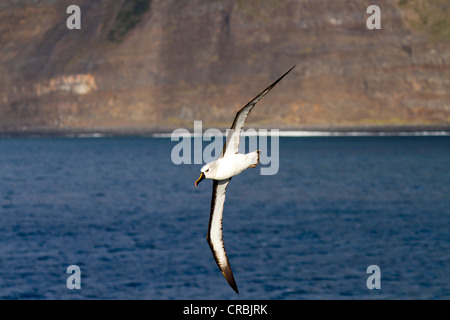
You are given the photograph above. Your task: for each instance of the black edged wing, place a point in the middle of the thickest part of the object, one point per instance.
(215, 234)
(234, 136)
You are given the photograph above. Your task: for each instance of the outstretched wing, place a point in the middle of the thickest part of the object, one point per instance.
(215, 234)
(234, 136)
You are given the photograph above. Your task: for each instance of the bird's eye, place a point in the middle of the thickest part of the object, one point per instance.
(206, 170)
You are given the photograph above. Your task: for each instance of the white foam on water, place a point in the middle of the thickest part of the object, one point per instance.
(295, 133)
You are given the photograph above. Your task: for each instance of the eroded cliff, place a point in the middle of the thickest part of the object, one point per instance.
(149, 64)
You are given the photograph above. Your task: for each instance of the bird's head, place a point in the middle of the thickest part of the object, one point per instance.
(207, 171)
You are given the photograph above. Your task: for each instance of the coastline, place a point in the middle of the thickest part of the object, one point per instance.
(293, 131)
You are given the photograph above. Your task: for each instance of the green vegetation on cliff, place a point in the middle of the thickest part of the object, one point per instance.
(429, 16)
(129, 15)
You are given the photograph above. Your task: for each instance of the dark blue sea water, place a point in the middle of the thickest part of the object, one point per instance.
(136, 226)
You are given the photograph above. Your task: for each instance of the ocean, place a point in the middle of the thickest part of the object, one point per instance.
(135, 224)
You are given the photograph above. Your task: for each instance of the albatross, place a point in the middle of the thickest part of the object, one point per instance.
(228, 164)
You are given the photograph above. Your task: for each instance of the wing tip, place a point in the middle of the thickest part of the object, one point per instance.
(275, 83)
(224, 268)
(228, 274)
(287, 72)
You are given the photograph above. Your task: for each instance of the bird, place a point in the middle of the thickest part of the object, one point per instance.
(229, 164)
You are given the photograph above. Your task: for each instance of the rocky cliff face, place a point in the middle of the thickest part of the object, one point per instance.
(149, 64)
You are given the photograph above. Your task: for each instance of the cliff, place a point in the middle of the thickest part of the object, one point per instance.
(153, 65)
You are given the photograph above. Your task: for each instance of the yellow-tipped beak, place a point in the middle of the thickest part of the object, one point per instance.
(202, 176)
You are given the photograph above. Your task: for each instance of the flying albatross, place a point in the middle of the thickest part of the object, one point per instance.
(229, 164)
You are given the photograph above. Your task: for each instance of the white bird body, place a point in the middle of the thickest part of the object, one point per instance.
(230, 165)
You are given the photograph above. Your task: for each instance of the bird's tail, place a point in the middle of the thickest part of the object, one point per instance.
(253, 158)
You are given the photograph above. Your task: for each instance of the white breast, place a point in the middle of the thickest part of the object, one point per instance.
(230, 166)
